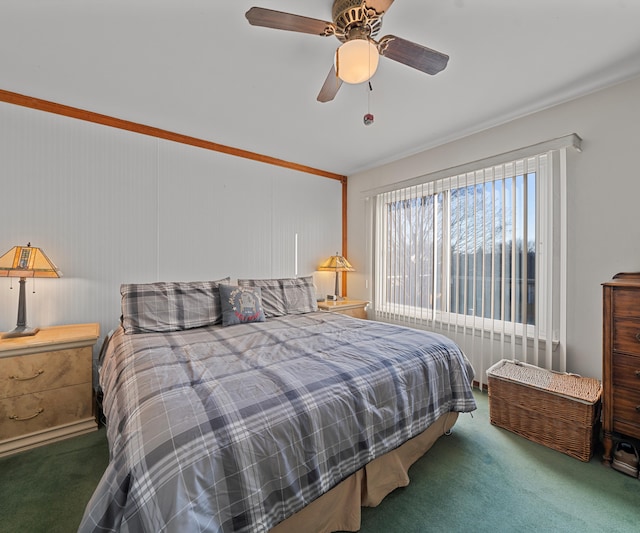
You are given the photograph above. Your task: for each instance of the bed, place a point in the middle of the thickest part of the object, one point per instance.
(288, 421)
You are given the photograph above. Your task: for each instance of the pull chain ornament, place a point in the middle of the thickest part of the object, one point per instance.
(368, 118)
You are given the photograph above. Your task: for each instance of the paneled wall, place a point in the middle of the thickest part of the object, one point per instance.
(110, 206)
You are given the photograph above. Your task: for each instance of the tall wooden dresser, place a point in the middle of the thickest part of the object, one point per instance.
(621, 359)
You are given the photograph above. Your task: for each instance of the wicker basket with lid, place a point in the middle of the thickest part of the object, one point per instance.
(557, 410)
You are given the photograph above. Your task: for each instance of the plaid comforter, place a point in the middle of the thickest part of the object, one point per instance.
(235, 429)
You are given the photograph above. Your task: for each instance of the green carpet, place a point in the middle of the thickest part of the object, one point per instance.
(45, 490)
(484, 478)
(481, 478)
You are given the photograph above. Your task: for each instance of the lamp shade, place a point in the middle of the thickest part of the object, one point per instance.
(27, 262)
(336, 263)
(356, 61)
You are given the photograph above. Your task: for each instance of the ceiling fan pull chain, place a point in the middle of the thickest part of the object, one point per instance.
(368, 118)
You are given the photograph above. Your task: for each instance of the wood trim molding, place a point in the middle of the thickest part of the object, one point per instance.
(105, 120)
(344, 234)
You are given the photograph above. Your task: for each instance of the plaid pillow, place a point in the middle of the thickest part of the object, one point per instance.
(285, 296)
(300, 295)
(170, 306)
(273, 301)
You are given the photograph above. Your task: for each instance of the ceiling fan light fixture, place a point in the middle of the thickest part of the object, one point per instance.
(356, 60)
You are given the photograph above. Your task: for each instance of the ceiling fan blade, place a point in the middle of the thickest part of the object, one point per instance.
(412, 54)
(381, 6)
(258, 16)
(330, 87)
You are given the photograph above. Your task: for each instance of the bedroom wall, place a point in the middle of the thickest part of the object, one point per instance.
(603, 200)
(110, 206)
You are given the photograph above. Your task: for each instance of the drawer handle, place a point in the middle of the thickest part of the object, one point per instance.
(637, 373)
(638, 336)
(40, 410)
(18, 378)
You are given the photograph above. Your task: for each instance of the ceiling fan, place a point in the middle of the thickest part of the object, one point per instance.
(355, 24)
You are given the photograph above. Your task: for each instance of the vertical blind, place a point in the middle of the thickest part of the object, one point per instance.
(477, 255)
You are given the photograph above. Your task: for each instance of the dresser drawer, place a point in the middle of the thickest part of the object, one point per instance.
(625, 302)
(626, 371)
(626, 411)
(626, 335)
(43, 371)
(29, 413)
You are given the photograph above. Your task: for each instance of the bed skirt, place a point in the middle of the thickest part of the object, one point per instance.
(339, 509)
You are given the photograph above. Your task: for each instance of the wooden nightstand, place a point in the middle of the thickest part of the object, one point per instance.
(46, 389)
(355, 308)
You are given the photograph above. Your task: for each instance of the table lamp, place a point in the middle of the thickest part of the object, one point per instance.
(25, 262)
(336, 263)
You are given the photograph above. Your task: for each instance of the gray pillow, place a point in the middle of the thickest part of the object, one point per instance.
(170, 306)
(285, 296)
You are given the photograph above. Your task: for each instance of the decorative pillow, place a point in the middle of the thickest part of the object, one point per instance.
(240, 305)
(170, 306)
(285, 296)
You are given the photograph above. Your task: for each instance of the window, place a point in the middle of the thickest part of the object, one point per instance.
(464, 251)
(479, 253)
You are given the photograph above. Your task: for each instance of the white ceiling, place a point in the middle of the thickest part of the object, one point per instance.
(198, 68)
